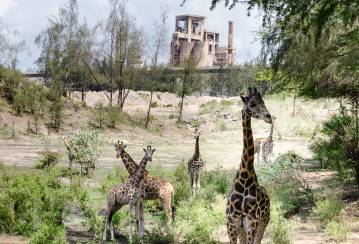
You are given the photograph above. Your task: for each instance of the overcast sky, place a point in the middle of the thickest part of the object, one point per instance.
(29, 17)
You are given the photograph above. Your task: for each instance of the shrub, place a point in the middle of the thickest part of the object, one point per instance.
(29, 97)
(337, 230)
(216, 182)
(221, 125)
(49, 159)
(278, 228)
(32, 204)
(282, 180)
(340, 148)
(180, 183)
(98, 115)
(159, 236)
(326, 210)
(85, 149)
(56, 105)
(202, 217)
(113, 116)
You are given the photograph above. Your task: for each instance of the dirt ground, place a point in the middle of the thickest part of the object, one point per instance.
(175, 144)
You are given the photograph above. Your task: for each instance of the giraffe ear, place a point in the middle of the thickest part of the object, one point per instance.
(124, 146)
(144, 150)
(153, 150)
(244, 99)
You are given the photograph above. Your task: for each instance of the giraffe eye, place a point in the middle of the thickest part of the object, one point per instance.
(252, 105)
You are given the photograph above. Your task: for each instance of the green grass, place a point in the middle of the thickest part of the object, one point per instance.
(337, 230)
(326, 210)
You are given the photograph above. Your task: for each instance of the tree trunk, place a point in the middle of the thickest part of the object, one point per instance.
(182, 97)
(149, 110)
(294, 101)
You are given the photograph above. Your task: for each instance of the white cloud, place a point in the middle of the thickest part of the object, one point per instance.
(5, 6)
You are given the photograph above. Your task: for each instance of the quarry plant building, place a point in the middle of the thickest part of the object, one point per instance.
(192, 39)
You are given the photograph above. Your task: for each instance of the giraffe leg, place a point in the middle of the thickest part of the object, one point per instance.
(232, 230)
(104, 237)
(142, 218)
(190, 175)
(251, 230)
(167, 208)
(131, 222)
(198, 181)
(260, 232)
(242, 236)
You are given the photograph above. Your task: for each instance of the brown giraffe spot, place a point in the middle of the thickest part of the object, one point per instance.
(238, 187)
(252, 190)
(249, 182)
(245, 157)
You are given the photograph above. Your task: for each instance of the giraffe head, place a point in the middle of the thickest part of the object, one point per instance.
(119, 147)
(254, 105)
(149, 152)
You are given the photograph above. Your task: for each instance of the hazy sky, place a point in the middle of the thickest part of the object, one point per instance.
(29, 17)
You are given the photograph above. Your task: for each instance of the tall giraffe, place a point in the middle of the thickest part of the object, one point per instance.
(195, 166)
(129, 192)
(153, 188)
(247, 202)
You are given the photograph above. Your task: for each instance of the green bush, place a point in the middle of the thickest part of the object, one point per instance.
(196, 221)
(339, 148)
(159, 236)
(326, 210)
(278, 227)
(337, 230)
(29, 97)
(85, 149)
(98, 115)
(282, 180)
(32, 204)
(215, 182)
(112, 116)
(49, 159)
(11, 79)
(180, 183)
(56, 105)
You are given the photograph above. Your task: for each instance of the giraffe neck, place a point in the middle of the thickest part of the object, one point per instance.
(196, 151)
(139, 175)
(270, 137)
(129, 163)
(246, 168)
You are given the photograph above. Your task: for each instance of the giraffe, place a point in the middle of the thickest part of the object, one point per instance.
(195, 166)
(248, 204)
(267, 146)
(153, 188)
(258, 146)
(129, 192)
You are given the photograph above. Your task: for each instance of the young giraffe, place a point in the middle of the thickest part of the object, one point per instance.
(153, 188)
(129, 192)
(247, 202)
(195, 166)
(267, 146)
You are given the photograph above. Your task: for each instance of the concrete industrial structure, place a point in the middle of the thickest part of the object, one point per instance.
(191, 39)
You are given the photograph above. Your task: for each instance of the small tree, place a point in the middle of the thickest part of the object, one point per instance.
(188, 79)
(98, 115)
(158, 47)
(56, 105)
(83, 149)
